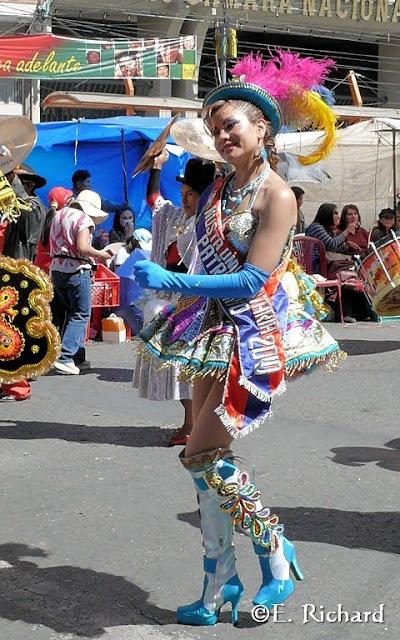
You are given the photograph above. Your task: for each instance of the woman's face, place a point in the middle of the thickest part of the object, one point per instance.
(387, 223)
(335, 218)
(351, 216)
(190, 200)
(235, 137)
(126, 217)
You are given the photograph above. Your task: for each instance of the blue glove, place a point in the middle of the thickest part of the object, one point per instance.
(246, 283)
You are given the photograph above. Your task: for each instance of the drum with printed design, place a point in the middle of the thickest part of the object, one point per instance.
(380, 273)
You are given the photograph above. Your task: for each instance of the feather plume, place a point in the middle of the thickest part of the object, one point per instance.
(285, 74)
(309, 111)
(289, 79)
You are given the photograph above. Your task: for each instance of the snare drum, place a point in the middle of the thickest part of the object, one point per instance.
(380, 273)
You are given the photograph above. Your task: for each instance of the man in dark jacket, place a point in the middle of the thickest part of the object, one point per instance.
(35, 221)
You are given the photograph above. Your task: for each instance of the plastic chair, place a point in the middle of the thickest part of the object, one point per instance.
(306, 250)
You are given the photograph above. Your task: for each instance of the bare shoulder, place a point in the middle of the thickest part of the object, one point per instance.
(277, 198)
(276, 189)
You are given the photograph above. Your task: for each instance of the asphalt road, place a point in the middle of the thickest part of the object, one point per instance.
(99, 534)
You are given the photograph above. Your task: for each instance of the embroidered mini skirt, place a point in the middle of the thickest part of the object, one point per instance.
(199, 351)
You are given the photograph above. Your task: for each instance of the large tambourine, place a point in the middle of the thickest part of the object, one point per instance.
(17, 139)
(190, 134)
(29, 342)
(154, 149)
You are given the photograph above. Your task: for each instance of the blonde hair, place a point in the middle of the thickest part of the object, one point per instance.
(254, 114)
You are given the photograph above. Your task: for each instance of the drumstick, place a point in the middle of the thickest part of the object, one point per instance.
(382, 264)
(395, 237)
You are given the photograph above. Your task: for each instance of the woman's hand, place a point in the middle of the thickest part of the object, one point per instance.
(351, 228)
(161, 159)
(128, 229)
(150, 275)
(353, 246)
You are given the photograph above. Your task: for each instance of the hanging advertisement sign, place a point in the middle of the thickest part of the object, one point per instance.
(49, 56)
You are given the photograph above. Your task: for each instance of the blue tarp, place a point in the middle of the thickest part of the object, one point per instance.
(95, 145)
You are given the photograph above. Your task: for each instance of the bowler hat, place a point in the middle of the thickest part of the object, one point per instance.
(24, 172)
(197, 175)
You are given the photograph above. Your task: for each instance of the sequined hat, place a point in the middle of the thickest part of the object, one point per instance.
(250, 93)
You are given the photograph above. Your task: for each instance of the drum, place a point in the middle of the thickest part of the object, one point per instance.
(380, 273)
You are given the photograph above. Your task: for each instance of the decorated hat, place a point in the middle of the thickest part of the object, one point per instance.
(284, 89)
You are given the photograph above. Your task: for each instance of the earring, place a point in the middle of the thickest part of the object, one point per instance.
(263, 154)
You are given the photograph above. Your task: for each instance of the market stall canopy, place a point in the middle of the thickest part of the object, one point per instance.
(361, 167)
(76, 100)
(80, 100)
(96, 145)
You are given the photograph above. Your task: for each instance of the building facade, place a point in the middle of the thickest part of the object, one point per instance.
(362, 35)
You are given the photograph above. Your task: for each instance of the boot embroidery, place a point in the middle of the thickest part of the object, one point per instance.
(262, 527)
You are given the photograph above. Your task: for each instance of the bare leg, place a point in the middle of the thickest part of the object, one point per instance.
(208, 431)
(188, 420)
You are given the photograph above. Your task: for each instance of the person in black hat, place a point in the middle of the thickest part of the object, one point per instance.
(34, 222)
(386, 222)
(196, 179)
(173, 246)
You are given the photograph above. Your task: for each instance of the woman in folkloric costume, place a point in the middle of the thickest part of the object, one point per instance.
(233, 329)
(29, 343)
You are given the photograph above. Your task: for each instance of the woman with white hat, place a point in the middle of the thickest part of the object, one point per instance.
(72, 260)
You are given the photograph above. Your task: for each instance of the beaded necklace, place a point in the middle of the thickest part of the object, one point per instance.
(236, 196)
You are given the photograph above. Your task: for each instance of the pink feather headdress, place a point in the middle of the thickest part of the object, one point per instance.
(284, 75)
(283, 87)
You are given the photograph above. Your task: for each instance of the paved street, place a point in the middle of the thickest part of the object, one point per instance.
(99, 534)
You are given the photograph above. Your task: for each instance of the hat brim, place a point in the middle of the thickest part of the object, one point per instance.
(38, 180)
(249, 93)
(98, 215)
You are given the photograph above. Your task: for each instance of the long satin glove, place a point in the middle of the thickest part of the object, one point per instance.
(244, 284)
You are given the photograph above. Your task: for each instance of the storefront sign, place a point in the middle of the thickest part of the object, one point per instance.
(49, 56)
(359, 10)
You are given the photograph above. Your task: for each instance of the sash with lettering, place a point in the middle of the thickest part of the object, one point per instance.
(257, 367)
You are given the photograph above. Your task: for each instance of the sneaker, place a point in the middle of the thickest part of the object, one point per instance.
(349, 319)
(66, 368)
(7, 398)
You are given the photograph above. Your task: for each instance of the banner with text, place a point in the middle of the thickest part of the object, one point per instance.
(49, 56)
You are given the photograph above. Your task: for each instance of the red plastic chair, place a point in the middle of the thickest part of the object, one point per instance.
(305, 250)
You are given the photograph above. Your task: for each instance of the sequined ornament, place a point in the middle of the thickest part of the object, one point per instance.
(29, 343)
(243, 504)
(236, 196)
(10, 205)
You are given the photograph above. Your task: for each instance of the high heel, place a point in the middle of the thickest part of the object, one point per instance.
(197, 614)
(277, 585)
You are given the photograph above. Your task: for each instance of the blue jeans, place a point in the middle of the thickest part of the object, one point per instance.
(74, 293)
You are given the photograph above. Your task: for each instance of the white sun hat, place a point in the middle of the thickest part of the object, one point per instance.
(144, 237)
(90, 203)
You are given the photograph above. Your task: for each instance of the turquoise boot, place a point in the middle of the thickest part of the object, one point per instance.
(277, 585)
(239, 498)
(221, 582)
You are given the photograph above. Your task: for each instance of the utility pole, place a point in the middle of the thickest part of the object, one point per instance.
(224, 42)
